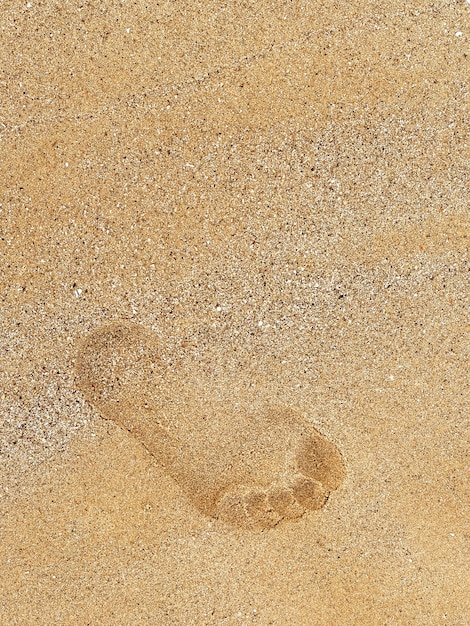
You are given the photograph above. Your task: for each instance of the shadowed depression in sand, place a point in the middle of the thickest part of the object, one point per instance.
(249, 470)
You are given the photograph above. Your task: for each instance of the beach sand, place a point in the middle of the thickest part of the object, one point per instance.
(273, 197)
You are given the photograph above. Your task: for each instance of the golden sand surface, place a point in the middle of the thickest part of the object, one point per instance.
(234, 336)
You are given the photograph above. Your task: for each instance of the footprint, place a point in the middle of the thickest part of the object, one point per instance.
(250, 469)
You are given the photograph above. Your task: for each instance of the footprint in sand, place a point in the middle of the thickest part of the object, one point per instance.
(251, 470)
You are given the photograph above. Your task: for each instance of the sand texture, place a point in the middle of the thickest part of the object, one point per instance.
(234, 323)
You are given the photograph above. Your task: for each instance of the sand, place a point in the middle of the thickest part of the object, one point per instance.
(276, 195)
